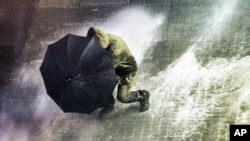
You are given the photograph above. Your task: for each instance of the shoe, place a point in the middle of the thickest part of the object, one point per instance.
(144, 101)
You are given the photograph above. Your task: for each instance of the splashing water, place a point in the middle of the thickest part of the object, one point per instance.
(185, 90)
(217, 22)
(138, 30)
(195, 90)
(136, 26)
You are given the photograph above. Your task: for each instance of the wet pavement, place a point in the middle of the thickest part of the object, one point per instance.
(193, 57)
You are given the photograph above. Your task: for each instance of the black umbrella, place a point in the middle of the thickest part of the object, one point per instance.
(78, 74)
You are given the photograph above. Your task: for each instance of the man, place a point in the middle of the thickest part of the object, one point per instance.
(125, 67)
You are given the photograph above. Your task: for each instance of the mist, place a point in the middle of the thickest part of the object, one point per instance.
(200, 89)
(185, 96)
(36, 119)
(136, 25)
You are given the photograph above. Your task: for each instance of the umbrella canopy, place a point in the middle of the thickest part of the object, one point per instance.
(78, 74)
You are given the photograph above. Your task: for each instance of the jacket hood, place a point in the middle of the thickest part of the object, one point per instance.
(101, 37)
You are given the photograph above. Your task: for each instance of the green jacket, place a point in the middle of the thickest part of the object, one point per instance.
(123, 60)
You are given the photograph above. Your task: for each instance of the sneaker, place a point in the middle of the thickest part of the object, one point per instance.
(144, 101)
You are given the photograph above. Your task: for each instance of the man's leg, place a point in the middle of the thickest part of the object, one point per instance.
(126, 96)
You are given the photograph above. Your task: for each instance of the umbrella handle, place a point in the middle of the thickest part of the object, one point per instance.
(68, 80)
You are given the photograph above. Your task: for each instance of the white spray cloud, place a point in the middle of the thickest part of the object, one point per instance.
(222, 14)
(186, 76)
(137, 26)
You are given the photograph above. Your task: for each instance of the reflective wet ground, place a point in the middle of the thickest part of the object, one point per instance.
(193, 57)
